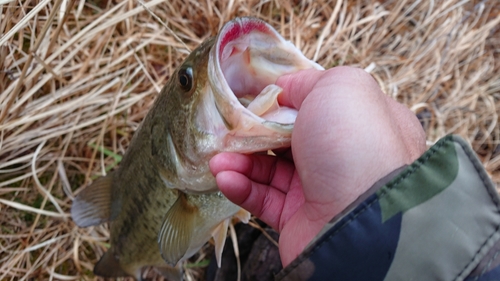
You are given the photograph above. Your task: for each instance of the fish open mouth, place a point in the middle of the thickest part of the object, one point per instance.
(251, 56)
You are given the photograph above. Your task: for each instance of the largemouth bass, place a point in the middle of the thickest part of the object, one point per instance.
(163, 202)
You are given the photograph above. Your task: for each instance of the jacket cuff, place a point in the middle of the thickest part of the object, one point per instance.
(437, 219)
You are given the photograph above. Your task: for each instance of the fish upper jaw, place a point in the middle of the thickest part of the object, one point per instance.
(246, 60)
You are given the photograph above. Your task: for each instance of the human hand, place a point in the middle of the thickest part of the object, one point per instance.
(347, 135)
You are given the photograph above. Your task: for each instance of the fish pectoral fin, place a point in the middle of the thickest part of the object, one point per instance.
(177, 229)
(219, 234)
(92, 205)
(171, 273)
(109, 267)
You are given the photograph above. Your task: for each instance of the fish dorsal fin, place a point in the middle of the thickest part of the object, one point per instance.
(177, 229)
(108, 266)
(219, 234)
(92, 205)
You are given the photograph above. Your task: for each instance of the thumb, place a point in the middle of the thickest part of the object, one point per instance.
(297, 86)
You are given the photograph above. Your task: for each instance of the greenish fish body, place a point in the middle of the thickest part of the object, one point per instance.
(162, 202)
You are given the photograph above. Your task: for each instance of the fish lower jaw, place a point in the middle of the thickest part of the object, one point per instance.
(254, 144)
(192, 181)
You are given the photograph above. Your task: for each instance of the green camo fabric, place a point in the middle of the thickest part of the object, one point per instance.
(424, 179)
(450, 214)
(447, 214)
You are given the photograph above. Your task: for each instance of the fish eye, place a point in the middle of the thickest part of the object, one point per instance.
(185, 76)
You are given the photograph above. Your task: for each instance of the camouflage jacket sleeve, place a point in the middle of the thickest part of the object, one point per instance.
(437, 219)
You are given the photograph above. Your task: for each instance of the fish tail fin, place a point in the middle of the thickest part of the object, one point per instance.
(109, 266)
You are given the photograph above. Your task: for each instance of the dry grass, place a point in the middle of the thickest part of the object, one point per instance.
(77, 77)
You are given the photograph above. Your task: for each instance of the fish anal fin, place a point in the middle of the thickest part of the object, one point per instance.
(219, 234)
(171, 273)
(92, 206)
(176, 231)
(109, 267)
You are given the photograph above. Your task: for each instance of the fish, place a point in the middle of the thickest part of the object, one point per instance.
(162, 202)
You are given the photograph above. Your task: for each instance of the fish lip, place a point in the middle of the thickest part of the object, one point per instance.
(239, 27)
(231, 31)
